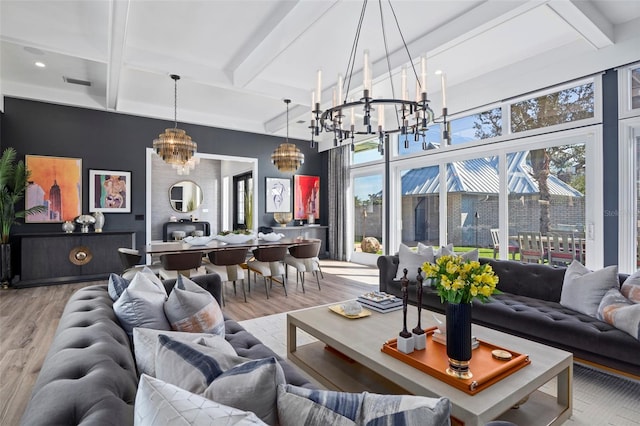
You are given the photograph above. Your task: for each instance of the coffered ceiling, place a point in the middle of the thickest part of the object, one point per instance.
(239, 59)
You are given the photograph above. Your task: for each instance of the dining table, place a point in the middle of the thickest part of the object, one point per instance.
(159, 247)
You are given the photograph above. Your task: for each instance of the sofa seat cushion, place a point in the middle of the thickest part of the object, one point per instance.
(553, 324)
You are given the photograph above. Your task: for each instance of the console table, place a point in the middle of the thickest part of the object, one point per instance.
(306, 231)
(57, 258)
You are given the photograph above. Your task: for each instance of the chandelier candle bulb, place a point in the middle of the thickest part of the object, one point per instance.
(319, 88)
(423, 73)
(443, 81)
(340, 84)
(366, 74)
(380, 118)
(403, 83)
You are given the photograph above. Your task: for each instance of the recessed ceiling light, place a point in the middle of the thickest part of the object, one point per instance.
(40, 64)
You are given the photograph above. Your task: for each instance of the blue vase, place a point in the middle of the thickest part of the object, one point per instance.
(459, 339)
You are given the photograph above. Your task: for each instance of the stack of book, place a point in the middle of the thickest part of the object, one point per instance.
(380, 301)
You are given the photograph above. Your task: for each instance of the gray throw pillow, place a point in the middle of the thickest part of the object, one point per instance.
(193, 309)
(163, 404)
(583, 289)
(145, 345)
(141, 305)
(249, 385)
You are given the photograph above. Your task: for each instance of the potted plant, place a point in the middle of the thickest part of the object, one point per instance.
(14, 178)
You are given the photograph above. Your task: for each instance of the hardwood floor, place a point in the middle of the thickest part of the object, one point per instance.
(29, 318)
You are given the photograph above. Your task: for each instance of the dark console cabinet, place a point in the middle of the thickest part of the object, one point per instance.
(61, 258)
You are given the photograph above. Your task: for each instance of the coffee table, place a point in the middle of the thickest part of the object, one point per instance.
(347, 357)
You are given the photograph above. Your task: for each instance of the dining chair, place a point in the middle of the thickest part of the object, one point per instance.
(129, 257)
(495, 238)
(303, 257)
(183, 263)
(561, 248)
(269, 262)
(226, 263)
(531, 248)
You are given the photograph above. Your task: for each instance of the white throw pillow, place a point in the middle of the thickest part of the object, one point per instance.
(412, 261)
(141, 305)
(145, 345)
(163, 404)
(193, 309)
(583, 289)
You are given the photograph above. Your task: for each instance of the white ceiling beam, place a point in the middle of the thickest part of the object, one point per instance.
(583, 17)
(118, 15)
(277, 37)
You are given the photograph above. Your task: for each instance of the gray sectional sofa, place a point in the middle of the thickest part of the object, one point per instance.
(89, 375)
(529, 307)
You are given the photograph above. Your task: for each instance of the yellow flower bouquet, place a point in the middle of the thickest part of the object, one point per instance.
(460, 280)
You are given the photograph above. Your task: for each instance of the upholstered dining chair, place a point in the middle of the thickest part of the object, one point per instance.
(182, 262)
(226, 263)
(269, 262)
(304, 258)
(129, 257)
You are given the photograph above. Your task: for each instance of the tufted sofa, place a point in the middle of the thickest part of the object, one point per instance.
(89, 375)
(529, 307)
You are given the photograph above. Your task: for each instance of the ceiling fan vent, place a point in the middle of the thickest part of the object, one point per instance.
(76, 81)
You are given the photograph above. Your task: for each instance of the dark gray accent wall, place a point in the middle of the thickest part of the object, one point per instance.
(610, 165)
(113, 141)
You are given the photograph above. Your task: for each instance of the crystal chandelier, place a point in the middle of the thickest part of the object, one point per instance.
(287, 157)
(413, 116)
(174, 146)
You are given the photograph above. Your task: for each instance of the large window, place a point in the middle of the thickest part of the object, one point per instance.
(365, 152)
(484, 125)
(472, 202)
(420, 205)
(564, 106)
(367, 214)
(547, 198)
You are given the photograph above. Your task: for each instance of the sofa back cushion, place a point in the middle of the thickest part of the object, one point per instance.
(542, 282)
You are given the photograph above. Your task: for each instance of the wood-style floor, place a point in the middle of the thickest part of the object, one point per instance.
(29, 318)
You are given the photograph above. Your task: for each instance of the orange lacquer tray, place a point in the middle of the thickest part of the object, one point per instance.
(486, 369)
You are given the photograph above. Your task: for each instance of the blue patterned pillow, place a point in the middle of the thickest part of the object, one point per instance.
(117, 285)
(298, 406)
(620, 312)
(249, 385)
(301, 406)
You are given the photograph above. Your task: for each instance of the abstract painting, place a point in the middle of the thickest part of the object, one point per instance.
(109, 191)
(56, 184)
(307, 196)
(278, 195)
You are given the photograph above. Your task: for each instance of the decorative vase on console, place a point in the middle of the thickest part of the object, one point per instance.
(99, 216)
(68, 227)
(459, 281)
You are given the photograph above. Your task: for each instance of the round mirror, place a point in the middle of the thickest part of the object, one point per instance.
(185, 196)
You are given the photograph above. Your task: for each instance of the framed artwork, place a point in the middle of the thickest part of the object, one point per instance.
(278, 195)
(56, 184)
(307, 196)
(109, 191)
